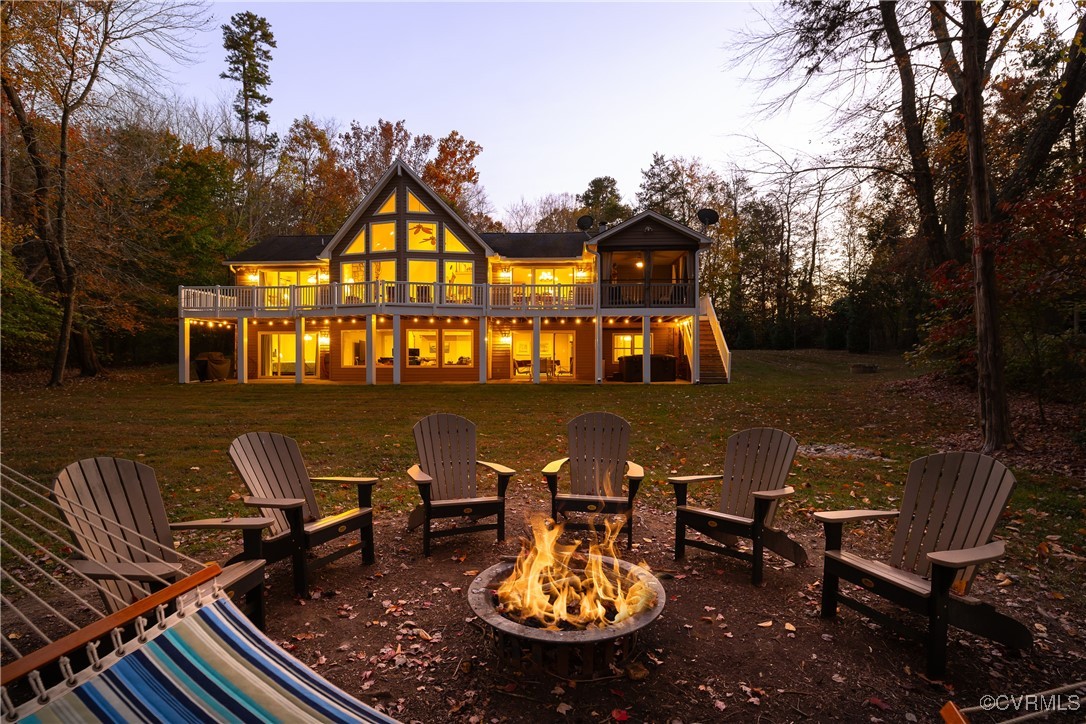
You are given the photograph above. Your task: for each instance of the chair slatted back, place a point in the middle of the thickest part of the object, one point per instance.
(97, 496)
(446, 448)
(756, 459)
(951, 501)
(598, 443)
(271, 466)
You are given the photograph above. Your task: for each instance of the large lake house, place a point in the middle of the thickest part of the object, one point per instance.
(406, 291)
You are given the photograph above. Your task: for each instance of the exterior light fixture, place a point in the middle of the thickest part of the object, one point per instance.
(253, 277)
(640, 265)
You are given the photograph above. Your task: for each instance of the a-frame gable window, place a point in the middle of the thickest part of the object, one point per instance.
(358, 244)
(389, 207)
(383, 236)
(421, 236)
(415, 205)
(453, 244)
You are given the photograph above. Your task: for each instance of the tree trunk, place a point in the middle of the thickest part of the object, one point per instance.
(994, 414)
(923, 181)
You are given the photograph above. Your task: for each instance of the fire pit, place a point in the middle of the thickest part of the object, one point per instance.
(593, 638)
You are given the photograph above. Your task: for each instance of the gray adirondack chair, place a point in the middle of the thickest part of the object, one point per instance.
(950, 507)
(598, 445)
(446, 476)
(115, 512)
(756, 465)
(273, 470)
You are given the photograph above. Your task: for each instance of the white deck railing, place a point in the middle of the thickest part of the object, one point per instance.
(343, 297)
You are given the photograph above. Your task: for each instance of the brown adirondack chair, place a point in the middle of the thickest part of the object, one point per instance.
(115, 512)
(756, 465)
(446, 476)
(951, 504)
(273, 470)
(598, 444)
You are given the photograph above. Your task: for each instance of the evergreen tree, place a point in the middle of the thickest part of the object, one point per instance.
(602, 200)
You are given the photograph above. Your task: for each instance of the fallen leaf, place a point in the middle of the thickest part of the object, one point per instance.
(876, 701)
(789, 627)
(636, 672)
(564, 708)
(766, 624)
(619, 715)
(720, 706)
(472, 572)
(838, 678)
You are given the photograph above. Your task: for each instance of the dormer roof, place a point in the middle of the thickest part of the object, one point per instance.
(646, 222)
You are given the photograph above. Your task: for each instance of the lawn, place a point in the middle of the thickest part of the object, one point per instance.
(183, 431)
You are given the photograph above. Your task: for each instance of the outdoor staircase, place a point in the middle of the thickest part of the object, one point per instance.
(714, 357)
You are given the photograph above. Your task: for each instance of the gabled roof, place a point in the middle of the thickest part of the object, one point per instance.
(644, 216)
(301, 249)
(398, 167)
(564, 245)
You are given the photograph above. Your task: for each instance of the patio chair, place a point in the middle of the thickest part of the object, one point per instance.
(446, 476)
(114, 510)
(598, 443)
(950, 506)
(756, 465)
(273, 470)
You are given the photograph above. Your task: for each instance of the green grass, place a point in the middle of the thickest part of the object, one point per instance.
(183, 431)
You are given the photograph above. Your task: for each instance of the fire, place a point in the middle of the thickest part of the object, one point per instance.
(544, 589)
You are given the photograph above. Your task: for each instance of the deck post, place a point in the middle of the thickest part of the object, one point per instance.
(536, 324)
(183, 361)
(371, 349)
(299, 349)
(243, 351)
(598, 333)
(646, 349)
(695, 343)
(397, 350)
(482, 350)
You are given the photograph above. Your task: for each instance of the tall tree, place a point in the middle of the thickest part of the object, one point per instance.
(318, 190)
(603, 202)
(369, 150)
(248, 40)
(57, 54)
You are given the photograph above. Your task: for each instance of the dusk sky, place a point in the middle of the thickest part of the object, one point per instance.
(556, 94)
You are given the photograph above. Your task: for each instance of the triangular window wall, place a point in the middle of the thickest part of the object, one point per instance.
(389, 207)
(415, 206)
(453, 243)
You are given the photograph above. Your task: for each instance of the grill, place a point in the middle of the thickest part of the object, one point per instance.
(587, 654)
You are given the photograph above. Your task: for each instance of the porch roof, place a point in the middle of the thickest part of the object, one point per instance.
(563, 245)
(301, 249)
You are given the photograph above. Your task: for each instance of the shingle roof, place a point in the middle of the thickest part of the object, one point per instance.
(564, 245)
(284, 248)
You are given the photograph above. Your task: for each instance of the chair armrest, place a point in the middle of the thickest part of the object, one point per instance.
(851, 516)
(774, 494)
(634, 471)
(345, 481)
(277, 503)
(554, 466)
(417, 476)
(968, 556)
(499, 469)
(223, 524)
(150, 571)
(686, 479)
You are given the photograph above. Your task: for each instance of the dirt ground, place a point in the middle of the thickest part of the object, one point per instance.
(401, 636)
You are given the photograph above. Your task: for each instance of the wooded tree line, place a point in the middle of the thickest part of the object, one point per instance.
(949, 114)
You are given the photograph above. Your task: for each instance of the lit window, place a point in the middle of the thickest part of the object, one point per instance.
(382, 347)
(382, 271)
(453, 245)
(459, 280)
(422, 348)
(389, 207)
(624, 344)
(383, 236)
(421, 276)
(414, 206)
(421, 236)
(457, 348)
(358, 244)
(354, 348)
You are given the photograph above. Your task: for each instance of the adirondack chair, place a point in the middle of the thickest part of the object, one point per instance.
(756, 465)
(115, 512)
(273, 470)
(598, 443)
(949, 509)
(446, 476)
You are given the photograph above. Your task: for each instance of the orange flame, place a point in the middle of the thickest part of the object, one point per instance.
(545, 589)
